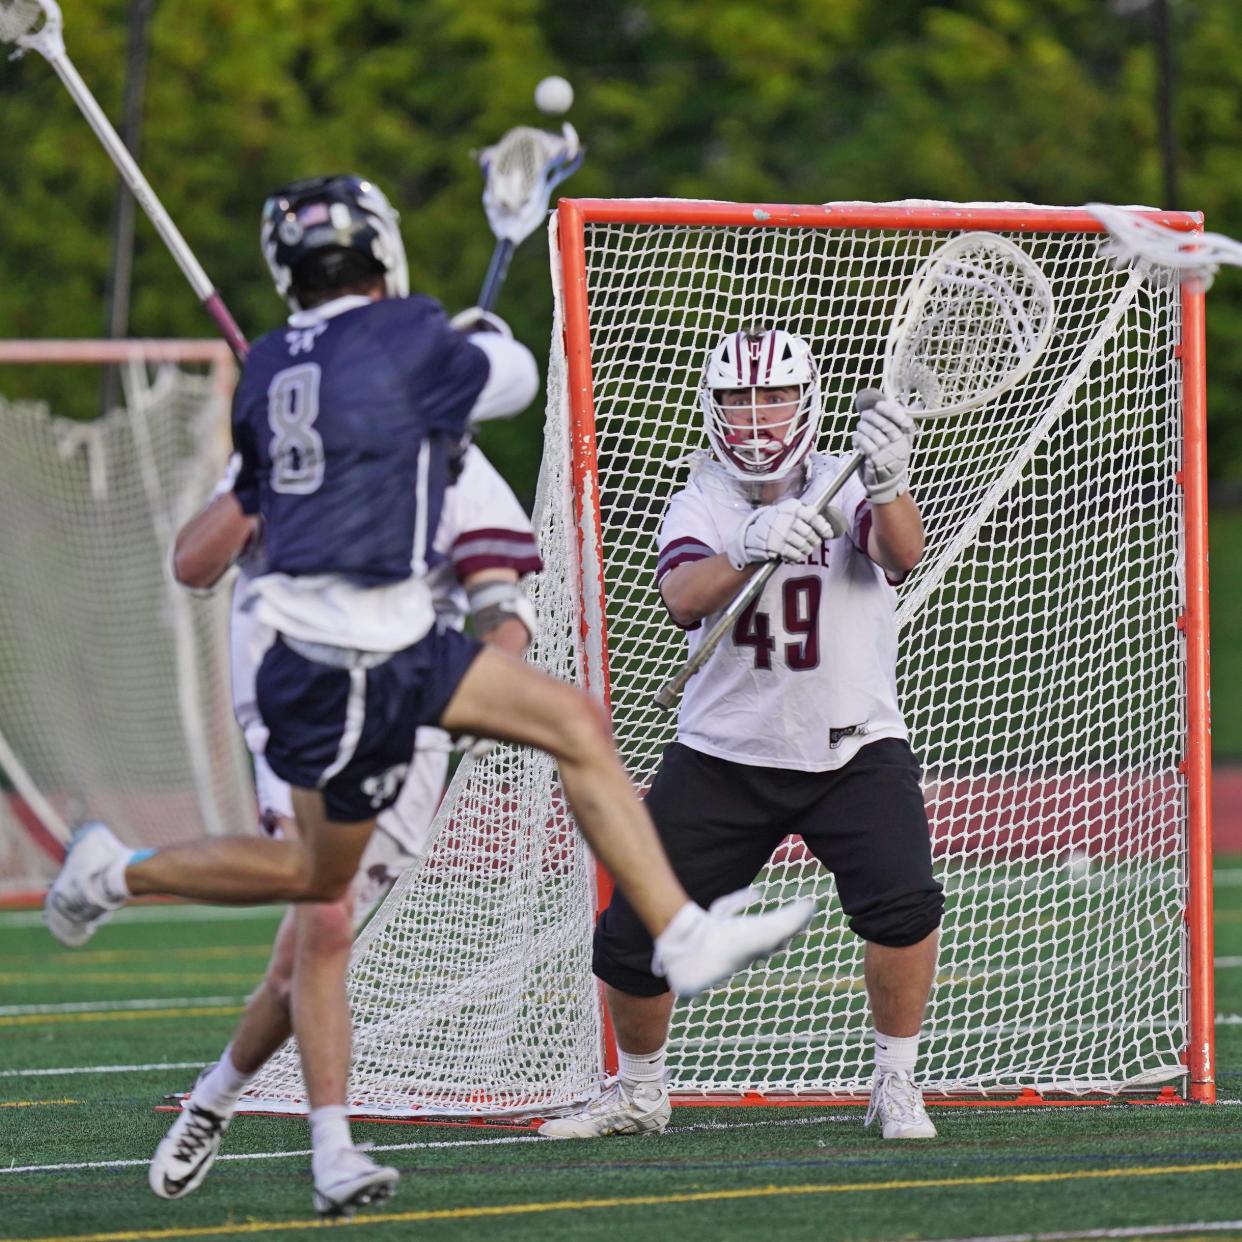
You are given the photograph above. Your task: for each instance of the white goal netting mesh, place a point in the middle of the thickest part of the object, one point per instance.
(1041, 674)
(114, 690)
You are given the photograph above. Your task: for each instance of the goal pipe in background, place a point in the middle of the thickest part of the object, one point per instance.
(573, 217)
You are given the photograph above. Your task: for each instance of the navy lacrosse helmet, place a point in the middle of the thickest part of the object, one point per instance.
(325, 232)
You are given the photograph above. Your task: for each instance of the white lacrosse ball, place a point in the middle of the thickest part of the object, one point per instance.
(554, 95)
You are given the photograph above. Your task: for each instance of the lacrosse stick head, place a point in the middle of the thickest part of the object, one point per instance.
(971, 324)
(1193, 258)
(756, 442)
(519, 174)
(32, 25)
(326, 232)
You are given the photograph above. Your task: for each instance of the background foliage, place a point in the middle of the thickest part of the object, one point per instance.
(785, 100)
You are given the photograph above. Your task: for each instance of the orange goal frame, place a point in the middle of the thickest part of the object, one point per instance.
(573, 215)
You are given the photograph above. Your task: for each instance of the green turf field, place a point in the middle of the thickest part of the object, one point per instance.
(93, 1039)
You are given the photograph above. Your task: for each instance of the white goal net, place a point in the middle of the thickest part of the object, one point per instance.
(114, 691)
(1043, 673)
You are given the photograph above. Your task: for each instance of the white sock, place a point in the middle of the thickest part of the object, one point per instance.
(329, 1127)
(642, 1067)
(218, 1090)
(894, 1052)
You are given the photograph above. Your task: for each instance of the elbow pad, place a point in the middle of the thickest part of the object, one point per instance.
(492, 603)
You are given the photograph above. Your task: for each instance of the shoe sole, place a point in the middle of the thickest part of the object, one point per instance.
(375, 1190)
(630, 1133)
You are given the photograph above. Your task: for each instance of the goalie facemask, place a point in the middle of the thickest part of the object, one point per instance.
(328, 232)
(754, 440)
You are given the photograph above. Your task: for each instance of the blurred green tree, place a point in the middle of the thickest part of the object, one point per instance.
(788, 100)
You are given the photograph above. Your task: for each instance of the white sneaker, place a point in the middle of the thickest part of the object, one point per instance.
(700, 948)
(350, 1181)
(897, 1101)
(631, 1108)
(187, 1151)
(78, 904)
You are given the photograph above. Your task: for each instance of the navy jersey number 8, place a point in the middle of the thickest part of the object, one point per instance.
(296, 448)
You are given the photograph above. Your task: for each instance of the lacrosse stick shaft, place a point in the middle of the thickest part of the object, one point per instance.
(147, 200)
(670, 692)
(497, 269)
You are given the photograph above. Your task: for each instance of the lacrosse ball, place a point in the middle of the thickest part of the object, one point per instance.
(554, 95)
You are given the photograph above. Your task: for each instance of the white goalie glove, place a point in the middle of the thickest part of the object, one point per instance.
(788, 531)
(884, 436)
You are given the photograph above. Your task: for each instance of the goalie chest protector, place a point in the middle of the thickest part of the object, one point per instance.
(808, 674)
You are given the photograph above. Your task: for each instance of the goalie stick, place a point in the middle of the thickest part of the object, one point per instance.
(970, 325)
(37, 26)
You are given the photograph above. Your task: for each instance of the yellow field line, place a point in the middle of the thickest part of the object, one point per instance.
(98, 956)
(118, 1015)
(702, 1196)
(35, 1103)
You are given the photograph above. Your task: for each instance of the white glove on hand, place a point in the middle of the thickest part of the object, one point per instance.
(475, 319)
(789, 531)
(885, 436)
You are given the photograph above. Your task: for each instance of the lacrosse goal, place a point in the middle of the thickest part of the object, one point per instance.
(1053, 673)
(114, 690)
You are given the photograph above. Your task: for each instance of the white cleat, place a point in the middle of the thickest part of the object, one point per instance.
(187, 1151)
(351, 1180)
(78, 902)
(701, 948)
(898, 1103)
(633, 1108)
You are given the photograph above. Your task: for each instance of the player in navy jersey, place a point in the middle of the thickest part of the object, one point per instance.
(365, 389)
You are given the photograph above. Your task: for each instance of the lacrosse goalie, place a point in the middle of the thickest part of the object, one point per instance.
(792, 726)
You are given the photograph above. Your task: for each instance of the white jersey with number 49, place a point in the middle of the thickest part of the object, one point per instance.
(808, 674)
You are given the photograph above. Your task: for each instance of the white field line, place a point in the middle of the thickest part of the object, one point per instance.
(156, 1002)
(425, 1145)
(780, 1123)
(57, 1071)
(1228, 961)
(170, 913)
(1127, 1231)
(1229, 877)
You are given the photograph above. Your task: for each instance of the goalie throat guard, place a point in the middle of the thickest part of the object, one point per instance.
(750, 447)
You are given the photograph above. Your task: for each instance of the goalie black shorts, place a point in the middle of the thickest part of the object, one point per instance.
(721, 821)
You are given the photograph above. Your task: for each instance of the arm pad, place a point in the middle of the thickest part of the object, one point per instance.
(496, 601)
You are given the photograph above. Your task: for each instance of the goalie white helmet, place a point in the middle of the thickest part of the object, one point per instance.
(754, 439)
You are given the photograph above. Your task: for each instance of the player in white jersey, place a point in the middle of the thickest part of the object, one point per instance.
(792, 726)
(486, 545)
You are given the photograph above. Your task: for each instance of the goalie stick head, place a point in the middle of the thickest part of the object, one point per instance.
(754, 440)
(328, 232)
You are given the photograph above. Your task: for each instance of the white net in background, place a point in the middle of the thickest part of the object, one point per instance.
(471, 987)
(114, 690)
(1041, 674)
